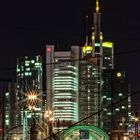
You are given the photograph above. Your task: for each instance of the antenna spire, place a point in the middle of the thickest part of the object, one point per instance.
(97, 6)
(86, 30)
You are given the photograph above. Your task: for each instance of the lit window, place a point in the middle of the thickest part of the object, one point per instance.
(104, 96)
(117, 109)
(123, 107)
(7, 122)
(32, 61)
(109, 113)
(120, 94)
(109, 99)
(7, 94)
(26, 73)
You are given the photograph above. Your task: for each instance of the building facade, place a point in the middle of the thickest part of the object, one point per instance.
(10, 107)
(29, 83)
(116, 100)
(78, 81)
(62, 84)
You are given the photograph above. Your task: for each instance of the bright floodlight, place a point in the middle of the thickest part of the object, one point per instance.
(32, 97)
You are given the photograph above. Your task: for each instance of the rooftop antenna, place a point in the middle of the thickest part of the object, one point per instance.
(86, 31)
(97, 6)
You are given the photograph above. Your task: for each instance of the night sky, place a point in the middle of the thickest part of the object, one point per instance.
(27, 26)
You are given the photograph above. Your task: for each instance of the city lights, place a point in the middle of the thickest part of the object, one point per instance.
(119, 74)
(75, 94)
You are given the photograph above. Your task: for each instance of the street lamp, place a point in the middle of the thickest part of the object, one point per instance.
(30, 107)
(49, 118)
(32, 101)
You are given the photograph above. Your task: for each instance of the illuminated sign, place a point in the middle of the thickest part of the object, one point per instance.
(108, 44)
(84, 134)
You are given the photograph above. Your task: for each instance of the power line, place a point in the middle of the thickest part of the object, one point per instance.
(108, 106)
(115, 54)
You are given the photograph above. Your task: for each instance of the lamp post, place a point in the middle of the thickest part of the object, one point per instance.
(31, 101)
(48, 117)
(32, 98)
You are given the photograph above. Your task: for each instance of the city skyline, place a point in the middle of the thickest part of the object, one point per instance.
(79, 84)
(33, 25)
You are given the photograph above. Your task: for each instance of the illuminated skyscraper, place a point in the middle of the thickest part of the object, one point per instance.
(77, 79)
(98, 56)
(62, 84)
(74, 88)
(29, 80)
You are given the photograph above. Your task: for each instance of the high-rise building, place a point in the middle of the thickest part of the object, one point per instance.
(98, 56)
(116, 105)
(77, 81)
(85, 73)
(90, 84)
(10, 107)
(29, 82)
(62, 84)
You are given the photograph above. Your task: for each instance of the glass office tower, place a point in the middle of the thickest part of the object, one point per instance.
(116, 100)
(29, 81)
(62, 84)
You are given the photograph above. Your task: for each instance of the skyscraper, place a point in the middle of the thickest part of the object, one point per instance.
(62, 84)
(78, 87)
(116, 100)
(91, 82)
(98, 57)
(77, 80)
(29, 81)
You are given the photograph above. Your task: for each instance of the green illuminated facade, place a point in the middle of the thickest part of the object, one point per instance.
(29, 79)
(84, 132)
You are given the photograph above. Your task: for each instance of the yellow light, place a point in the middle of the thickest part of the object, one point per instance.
(51, 119)
(30, 107)
(50, 112)
(101, 37)
(97, 6)
(108, 44)
(93, 37)
(32, 97)
(124, 138)
(136, 119)
(47, 113)
(119, 74)
(87, 48)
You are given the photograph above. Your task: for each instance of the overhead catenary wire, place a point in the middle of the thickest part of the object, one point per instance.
(115, 54)
(108, 106)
